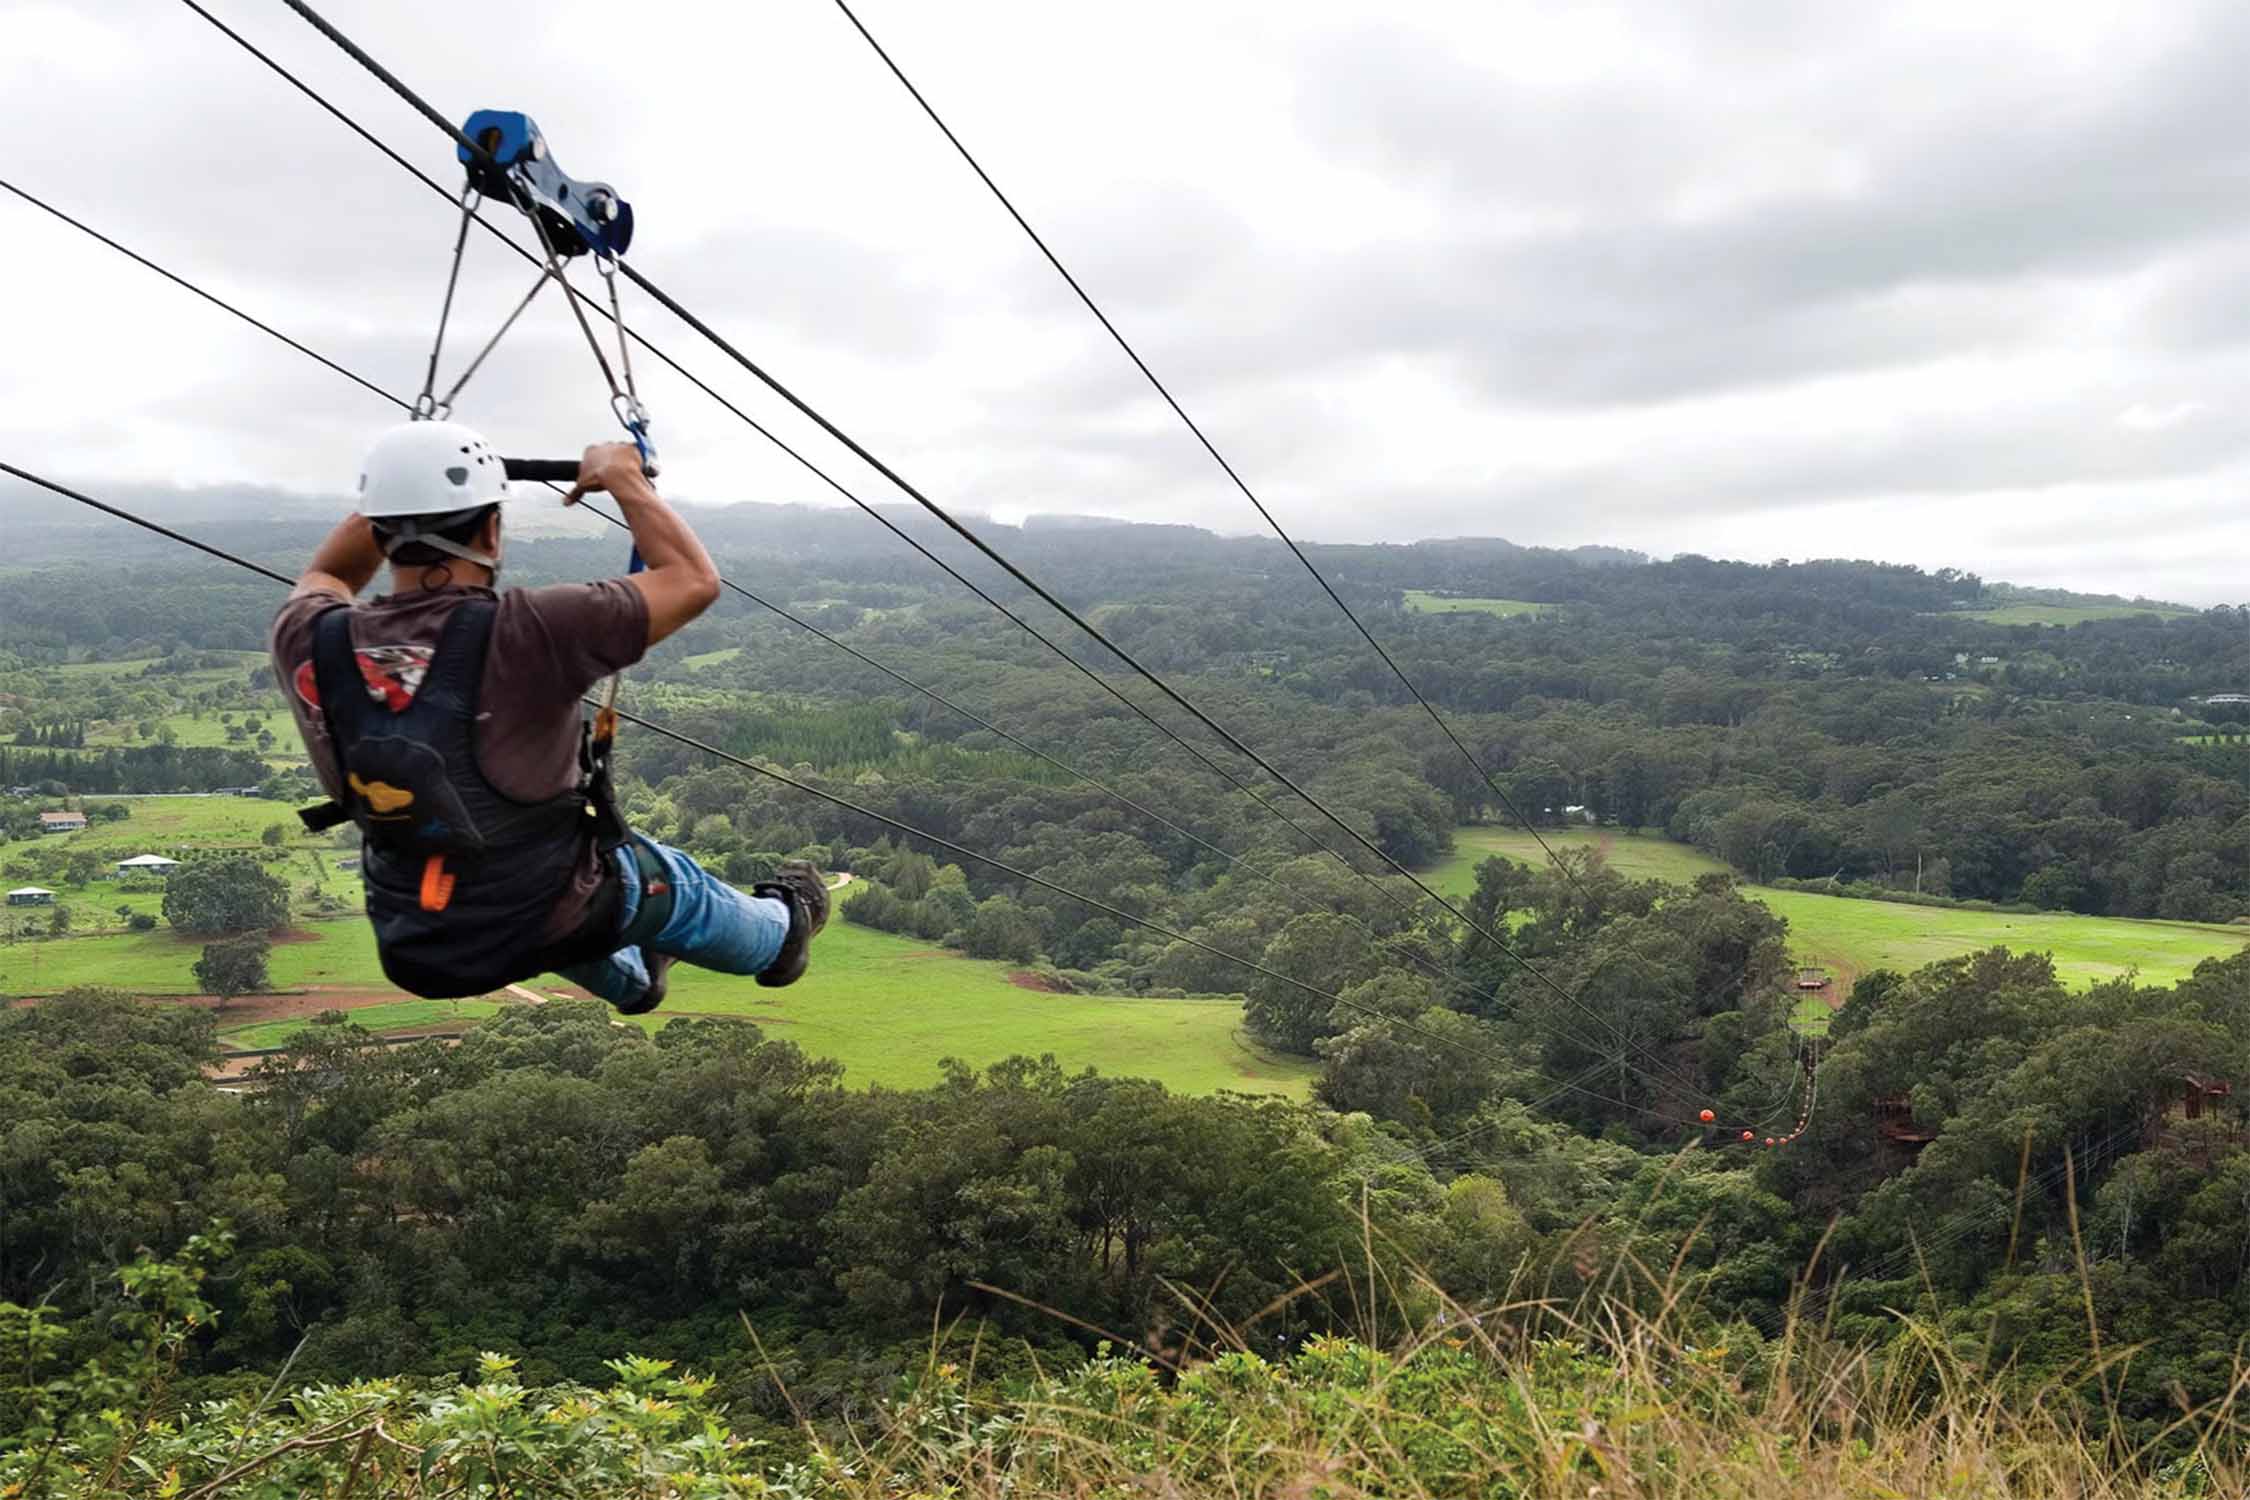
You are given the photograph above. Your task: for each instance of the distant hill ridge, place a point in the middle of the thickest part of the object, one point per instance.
(276, 525)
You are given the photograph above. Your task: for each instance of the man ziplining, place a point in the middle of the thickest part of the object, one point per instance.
(444, 720)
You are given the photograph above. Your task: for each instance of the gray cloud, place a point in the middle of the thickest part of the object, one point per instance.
(1614, 272)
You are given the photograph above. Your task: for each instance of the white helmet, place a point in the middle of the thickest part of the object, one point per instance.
(420, 478)
(428, 469)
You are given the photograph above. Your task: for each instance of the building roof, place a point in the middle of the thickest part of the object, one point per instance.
(146, 862)
(31, 890)
(62, 817)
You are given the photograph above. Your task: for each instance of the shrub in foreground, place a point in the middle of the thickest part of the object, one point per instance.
(1472, 1406)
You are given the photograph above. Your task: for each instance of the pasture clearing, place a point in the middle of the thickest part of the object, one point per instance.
(889, 1008)
(174, 827)
(2066, 614)
(1422, 601)
(163, 825)
(209, 730)
(241, 662)
(398, 1015)
(886, 1007)
(1848, 936)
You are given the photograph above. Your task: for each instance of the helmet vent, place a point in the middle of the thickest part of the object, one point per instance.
(457, 474)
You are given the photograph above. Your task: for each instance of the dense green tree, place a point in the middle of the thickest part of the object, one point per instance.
(211, 896)
(1315, 956)
(233, 966)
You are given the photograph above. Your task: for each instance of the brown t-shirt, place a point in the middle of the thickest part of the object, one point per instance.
(548, 646)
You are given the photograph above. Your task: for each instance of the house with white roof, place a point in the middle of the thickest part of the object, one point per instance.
(31, 895)
(141, 864)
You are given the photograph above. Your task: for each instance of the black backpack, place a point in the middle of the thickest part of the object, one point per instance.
(461, 879)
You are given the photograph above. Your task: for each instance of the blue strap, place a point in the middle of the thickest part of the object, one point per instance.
(639, 430)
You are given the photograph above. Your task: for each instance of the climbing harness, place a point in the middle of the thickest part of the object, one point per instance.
(571, 218)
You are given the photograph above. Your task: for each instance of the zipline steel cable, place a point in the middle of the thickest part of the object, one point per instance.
(1400, 947)
(1201, 437)
(1099, 681)
(1109, 688)
(945, 517)
(858, 809)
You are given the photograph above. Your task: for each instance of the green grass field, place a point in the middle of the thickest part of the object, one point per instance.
(171, 826)
(208, 731)
(1849, 936)
(161, 825)
(339, 955)
(1422, 601)
(2067, 614)
(242, 661)
(711, 658)
(886, 1007)
(418, 1015)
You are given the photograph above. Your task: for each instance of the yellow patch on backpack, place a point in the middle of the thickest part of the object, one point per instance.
(383, 798)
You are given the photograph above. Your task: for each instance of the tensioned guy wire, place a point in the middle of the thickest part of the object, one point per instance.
(1399, 948)
(859, 450)
(860, 810)
(1201, 437)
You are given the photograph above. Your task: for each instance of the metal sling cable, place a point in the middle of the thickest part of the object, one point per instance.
(858, 809)
(1396, 946)
(1312, 841)
(453, 133)
(1133, 662)
(1400, 947)
(670, 304)
(1200, 436)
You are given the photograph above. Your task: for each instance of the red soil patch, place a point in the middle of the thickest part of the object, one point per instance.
(293, 935)
(251, 1009)
(1024, 979)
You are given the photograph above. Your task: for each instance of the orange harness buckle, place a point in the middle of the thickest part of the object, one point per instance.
(437, 884)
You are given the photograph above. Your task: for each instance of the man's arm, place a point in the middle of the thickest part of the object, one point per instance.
(680, 580)
(345, 563)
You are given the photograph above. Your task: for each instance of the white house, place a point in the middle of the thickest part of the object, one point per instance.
(31, 895)
(61, 822)
(146, 864)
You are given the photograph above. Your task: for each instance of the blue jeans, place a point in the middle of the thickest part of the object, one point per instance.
(713, 926)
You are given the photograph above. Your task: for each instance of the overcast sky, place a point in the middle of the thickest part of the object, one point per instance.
(1956, 283)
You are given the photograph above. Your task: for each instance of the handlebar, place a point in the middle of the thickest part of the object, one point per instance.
(556, 470)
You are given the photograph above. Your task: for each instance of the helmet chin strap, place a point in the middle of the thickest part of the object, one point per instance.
(406, 532)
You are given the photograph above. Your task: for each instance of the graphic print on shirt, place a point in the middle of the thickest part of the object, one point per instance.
(393, 675)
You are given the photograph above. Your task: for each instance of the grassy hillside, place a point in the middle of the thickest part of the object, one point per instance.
(886, 1007)
(173, 827)
(1425, 602)
(401, 1015)
(1851, 936)
(1469, 1406)
(889, 1007)
(2067, 614)
(163, 825)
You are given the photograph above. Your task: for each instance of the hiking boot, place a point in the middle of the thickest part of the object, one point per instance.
(801, 888)
(659, 980)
